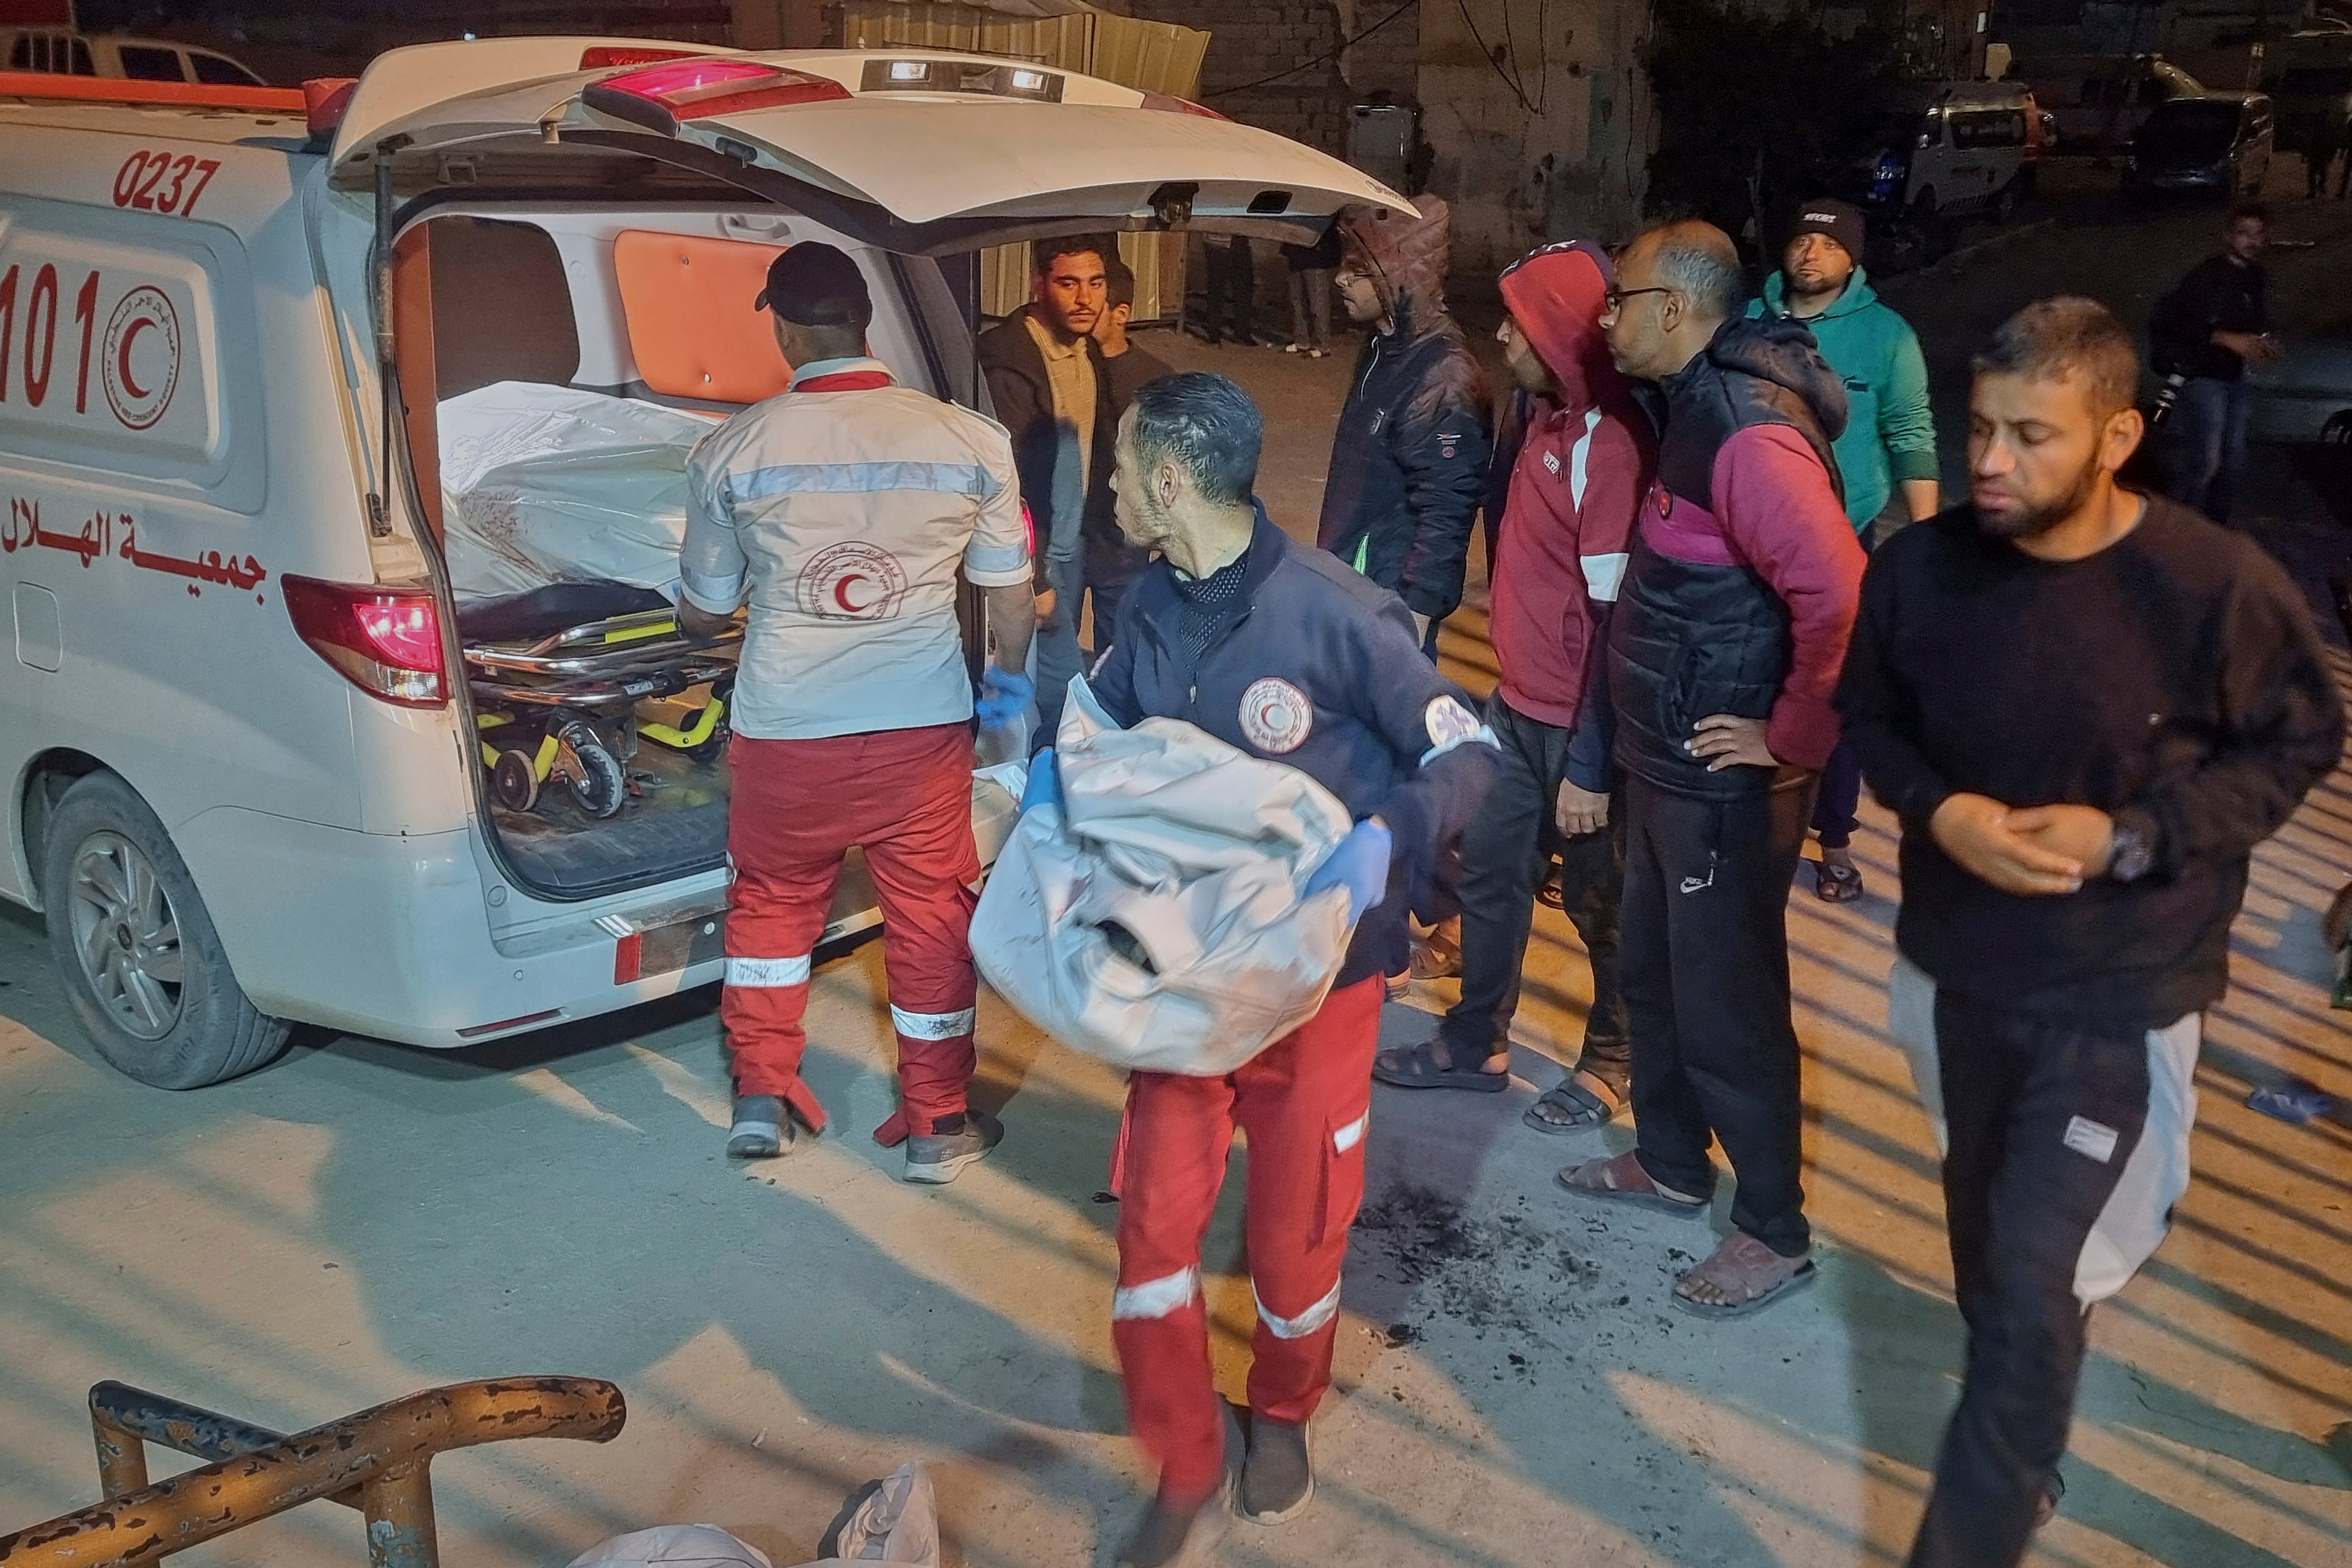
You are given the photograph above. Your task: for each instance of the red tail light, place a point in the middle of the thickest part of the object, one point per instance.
(385, 641)
(660, 96)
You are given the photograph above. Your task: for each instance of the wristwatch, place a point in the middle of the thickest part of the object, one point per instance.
(2131, 849)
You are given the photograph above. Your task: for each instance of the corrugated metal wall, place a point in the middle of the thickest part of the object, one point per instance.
(1152, 56)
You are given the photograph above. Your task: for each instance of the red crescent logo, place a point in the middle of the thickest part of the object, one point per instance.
(122, 356)
(841, 592)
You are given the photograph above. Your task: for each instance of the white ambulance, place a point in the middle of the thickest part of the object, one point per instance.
(258, 772)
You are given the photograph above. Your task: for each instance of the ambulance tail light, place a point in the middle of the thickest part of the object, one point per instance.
(385, 641)
(663, 96)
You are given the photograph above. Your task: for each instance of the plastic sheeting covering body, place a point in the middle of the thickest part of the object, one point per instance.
(550, 484)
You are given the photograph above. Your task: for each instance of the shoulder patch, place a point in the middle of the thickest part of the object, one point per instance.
(1449, 724)
(1276, 718)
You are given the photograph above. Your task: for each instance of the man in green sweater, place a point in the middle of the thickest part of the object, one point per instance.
(1887, 455)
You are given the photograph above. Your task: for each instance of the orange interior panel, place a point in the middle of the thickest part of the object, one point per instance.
(692, 328)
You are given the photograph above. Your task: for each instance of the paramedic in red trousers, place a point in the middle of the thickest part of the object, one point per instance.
(1724, 652)
(1283, 652)
(1583, 469)
(2086, 706)
(842, 511)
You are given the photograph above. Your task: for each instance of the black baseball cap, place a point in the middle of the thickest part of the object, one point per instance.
(1839, 220)
(816, 285)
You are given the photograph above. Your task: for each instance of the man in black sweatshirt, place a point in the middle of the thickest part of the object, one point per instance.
(2211, 326)
(2086, 706)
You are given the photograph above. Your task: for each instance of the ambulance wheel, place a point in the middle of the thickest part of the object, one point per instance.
(600, 785)
(141, 963)
(514, 783)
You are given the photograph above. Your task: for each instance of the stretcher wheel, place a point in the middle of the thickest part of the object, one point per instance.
(600, 783)
(514, 783)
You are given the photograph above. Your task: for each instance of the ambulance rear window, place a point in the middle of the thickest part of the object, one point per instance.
(143, 64)
(502, 306)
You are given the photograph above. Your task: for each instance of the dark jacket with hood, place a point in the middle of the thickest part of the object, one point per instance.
(1742, 587)
(1409, 460)
(1023, 396)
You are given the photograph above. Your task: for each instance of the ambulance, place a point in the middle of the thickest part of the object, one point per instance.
(247, 336)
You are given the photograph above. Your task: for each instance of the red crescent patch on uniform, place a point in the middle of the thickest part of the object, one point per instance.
(851, 580)
(1277, 717)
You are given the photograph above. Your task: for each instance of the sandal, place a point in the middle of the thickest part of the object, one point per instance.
(1836, 884)
(1417, 1067)
(1749, 1273)
(1622, 1180)
(1585, 1098)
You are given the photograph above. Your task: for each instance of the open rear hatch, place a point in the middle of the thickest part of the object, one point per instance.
(917, 152)
(584, 177)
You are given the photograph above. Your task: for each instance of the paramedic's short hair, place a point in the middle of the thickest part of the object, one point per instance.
(2241, 210)
(1043, 253)
(1207, 426)
(2069, 336)
(1700, 259)
(1119, 284)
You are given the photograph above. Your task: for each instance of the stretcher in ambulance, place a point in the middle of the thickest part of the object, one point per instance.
(341, 434)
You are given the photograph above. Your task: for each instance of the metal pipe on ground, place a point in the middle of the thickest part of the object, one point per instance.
(378, 1461)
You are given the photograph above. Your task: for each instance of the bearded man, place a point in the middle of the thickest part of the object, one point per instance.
(2086, 706)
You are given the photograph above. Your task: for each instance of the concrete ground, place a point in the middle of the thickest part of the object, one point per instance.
(363, 1219)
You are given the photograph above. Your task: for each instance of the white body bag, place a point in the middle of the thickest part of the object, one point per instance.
(1157, 919)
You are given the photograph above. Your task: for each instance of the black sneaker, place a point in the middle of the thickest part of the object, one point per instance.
(1175, 1535)
(1278, 1476)
(763, 1129)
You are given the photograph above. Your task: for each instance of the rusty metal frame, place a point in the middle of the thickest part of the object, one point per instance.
(378, 1461)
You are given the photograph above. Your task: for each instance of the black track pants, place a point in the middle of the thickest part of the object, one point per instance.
(2065, 1149)
(1705, 963)
(1505, 851)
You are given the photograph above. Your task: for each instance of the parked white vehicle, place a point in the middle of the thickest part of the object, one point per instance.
(64, 52)
(248, 777)
(1951, 149)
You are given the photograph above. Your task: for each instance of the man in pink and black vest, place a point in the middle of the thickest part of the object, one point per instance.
(1724, 651)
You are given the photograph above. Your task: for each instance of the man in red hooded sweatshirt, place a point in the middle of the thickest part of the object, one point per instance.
(1583, 465)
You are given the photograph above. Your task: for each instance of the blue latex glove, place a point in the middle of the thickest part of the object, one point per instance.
(1359, 863)
(1045, 786)
(1009, 696)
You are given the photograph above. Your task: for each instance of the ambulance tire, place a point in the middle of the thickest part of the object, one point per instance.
(217, 1034)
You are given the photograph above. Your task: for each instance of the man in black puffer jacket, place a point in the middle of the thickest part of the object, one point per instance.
(1724, 651)
(1409, 461)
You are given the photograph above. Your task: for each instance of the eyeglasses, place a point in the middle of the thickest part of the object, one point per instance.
(1614, 299)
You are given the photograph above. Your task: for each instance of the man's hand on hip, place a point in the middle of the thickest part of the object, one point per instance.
(1984, 837)
(1579, 811)
(1726, 740)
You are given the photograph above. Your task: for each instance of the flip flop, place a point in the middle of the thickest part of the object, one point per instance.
(1750, 1253)
(1836, 884)
(1413, 1067)
(1622, 1180)
(1586, 1110)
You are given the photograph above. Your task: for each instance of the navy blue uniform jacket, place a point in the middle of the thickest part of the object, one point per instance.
(1319, 669)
